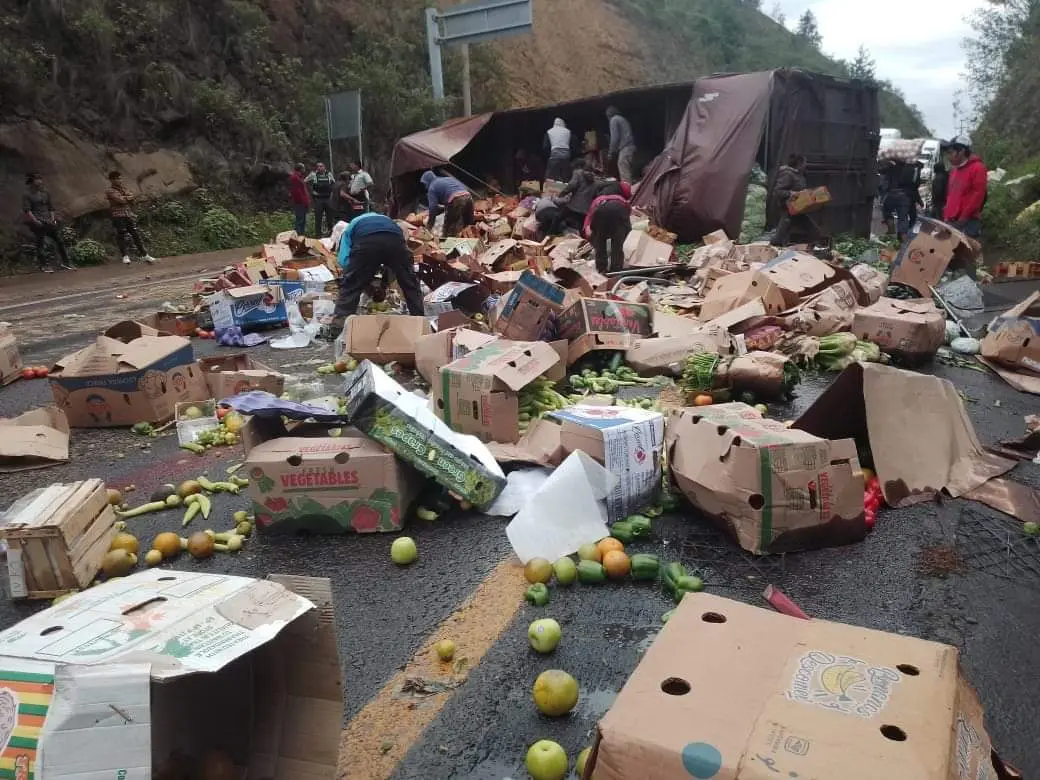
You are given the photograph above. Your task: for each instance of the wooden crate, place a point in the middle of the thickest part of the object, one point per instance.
(56, 545)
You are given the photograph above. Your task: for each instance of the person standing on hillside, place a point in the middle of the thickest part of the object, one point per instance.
(622, 149)
(558, 151)
(372, 242)
(123, 220)
(448, 194)
(322, 184)
(790, 179)
(38, 211)
(299, 198)
(967, 188)
(610, 220)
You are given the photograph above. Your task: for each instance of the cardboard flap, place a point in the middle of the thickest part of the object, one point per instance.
(799, 274)
(925, 255)
(251, 291)
(33, 440)
(915, 425)
(384, 334)
(143, 352)
(128, 330)
(514, 364)
(1013, 338)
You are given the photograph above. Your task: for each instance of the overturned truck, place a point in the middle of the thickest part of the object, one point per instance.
(700, 141)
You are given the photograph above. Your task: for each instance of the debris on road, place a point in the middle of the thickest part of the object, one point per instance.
(34, 440)
(1011, 346)
(812, 692)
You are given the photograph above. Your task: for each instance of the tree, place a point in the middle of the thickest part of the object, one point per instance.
(808, 30)
(863, 67)
(778, 15)
(999, 28)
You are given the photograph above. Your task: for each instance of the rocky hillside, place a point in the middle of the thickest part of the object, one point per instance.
(227, 92)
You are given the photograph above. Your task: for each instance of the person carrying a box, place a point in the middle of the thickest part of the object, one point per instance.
(448, 194)
(610, 219)
(790, 179)
(372, 242)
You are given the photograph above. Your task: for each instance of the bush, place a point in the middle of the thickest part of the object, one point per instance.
(88, 252)
(220, 229)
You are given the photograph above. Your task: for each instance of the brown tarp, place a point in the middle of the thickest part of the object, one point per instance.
(436, 146)
(698, 183)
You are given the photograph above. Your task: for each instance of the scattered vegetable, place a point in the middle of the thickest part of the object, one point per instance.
(617, 564)
(566, 572)
(125, 541)
(403, 551)
(1031, 529)
(115, 498)
(645, 567)
(589, 552)
(445, 648)
(168, 544)
(591, 573)
(544, 635)
(118, 563)
(153, 558)
(555, 693)
(537, 594)
(200, 544)
(538, 570)
(144, 509)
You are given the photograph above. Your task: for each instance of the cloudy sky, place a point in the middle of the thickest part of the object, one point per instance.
(916, 44)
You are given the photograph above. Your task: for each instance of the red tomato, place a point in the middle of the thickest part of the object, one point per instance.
(28, 373)
(870, 518)
(871, 502)
(222, 412)
(41, 371)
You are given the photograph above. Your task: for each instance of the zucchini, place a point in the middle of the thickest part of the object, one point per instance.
(591, 573)
(645, 567)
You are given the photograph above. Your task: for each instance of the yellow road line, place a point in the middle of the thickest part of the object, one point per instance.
(379, 736)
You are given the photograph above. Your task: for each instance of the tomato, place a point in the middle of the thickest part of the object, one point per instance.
(41, 371)
(870, 518)
(222, 412)
(28, 373)
(871, 502)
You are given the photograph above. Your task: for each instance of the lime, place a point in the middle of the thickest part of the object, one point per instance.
(403, 551)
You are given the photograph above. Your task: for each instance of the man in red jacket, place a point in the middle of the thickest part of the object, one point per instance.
(966, 193)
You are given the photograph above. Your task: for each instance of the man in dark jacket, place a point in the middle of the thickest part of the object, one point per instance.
(448, 194)
(940, 183)
(322, 184)
(610, 221)
(299, 198)
(578, 195)
(790, 179)
(38, 211)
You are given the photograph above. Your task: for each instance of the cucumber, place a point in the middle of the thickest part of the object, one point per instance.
(645, 567)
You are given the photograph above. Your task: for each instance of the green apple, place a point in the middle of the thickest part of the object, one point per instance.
(565, 570)
(546, 760)
(403, 551)
(544, 635)
(579, 766)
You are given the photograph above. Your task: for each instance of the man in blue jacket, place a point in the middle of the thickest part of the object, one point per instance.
(448, 194)
(371, 242)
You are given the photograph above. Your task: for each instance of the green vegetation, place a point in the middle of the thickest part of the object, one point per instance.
(711, 36)
(1004, 83)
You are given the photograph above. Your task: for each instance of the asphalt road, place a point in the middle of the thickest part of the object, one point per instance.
(475, 721)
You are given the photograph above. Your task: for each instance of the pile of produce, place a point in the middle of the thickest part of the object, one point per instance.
(833, 353)
(538, 398)
(765, 374)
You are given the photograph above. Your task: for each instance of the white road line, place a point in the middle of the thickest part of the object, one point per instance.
(71, 296)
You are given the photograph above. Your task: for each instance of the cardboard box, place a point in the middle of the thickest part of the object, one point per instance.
(668, 354)
(773, 489)
(910, 330)
(628, 442)
(926, 254)
(112, 383)
(1013, 341)
(187, 661)
(465, 296)
(172, 324)
(34, 440)
(830, 311)
(438, 349)
(800, 275)
(584, 278)
(734, 290)
(643, 251)
(306, 480)
(915, 425)
(57, 537)
(523, 313)
(767, 695)
(10, 360)
(592, 324)
(871, 281)
(248, 307)
(804, 201)
(404, 423)
(383, 338)
(479, 393)
(228, 375)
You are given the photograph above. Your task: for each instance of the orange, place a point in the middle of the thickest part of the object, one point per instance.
(617, 564)
(606, 545)
(703, 400)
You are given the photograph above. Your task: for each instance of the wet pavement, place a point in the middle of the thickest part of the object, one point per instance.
(386, 614)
